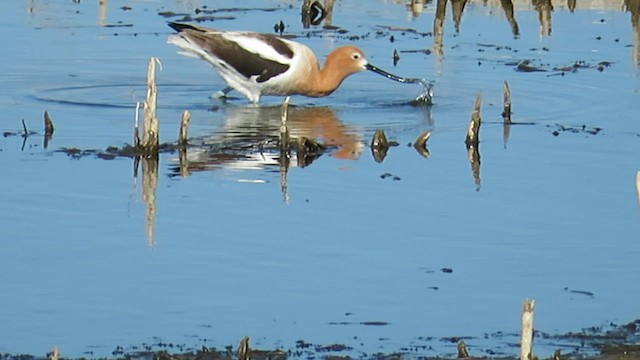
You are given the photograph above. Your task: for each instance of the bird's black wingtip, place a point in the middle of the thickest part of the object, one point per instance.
(180, 26)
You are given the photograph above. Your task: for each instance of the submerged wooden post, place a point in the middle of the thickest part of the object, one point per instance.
(150, 139)
(473, 133)
(184, 127)
(526, 341)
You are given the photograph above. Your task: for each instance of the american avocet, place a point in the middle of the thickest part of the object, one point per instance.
(259, 64)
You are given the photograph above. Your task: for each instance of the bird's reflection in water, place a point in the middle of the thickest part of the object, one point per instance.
(250, 137)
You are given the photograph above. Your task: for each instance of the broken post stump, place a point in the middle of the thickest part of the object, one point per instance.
(506, 113)
(48, 124)
(184, 127)
(244, 351)
(463, 353)
(526, 341)
(151, 139)
(136, 127)
(421, 144)
(473, 132)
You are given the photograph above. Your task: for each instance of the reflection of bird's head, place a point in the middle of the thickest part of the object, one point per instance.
(323, 125)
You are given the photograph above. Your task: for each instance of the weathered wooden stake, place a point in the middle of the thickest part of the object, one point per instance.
(526, 341)
(421, 141)
(184, 127)
(473, 133)
(506, 113)
(55, 354)
(462, 350)
(379, 140)
(136, 127)
(151, 139)
(244, 351)
(48, 124)
(379, 146)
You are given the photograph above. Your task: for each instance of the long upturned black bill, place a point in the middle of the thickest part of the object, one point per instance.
(393, 77)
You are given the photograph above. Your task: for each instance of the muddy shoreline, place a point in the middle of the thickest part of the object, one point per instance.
(594, 343)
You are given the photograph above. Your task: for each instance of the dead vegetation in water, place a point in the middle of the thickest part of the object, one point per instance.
(201, 154)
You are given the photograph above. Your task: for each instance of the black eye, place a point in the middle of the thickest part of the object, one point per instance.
(355, 56)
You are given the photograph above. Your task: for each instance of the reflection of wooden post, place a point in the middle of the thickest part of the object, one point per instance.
(544, 8)
(507, 6)
(636, 45)
(457, 8)
(313, 13)
(306, 14)
(506, 133)
(473, 154)
(633, 6)
(416, 7)
(149, 188)
(438, 26)
(184, 163)
(328, 8)
(284, 159)
(102, 12)
(526, 341)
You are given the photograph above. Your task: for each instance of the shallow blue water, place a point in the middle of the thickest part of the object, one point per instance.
(235, 253)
